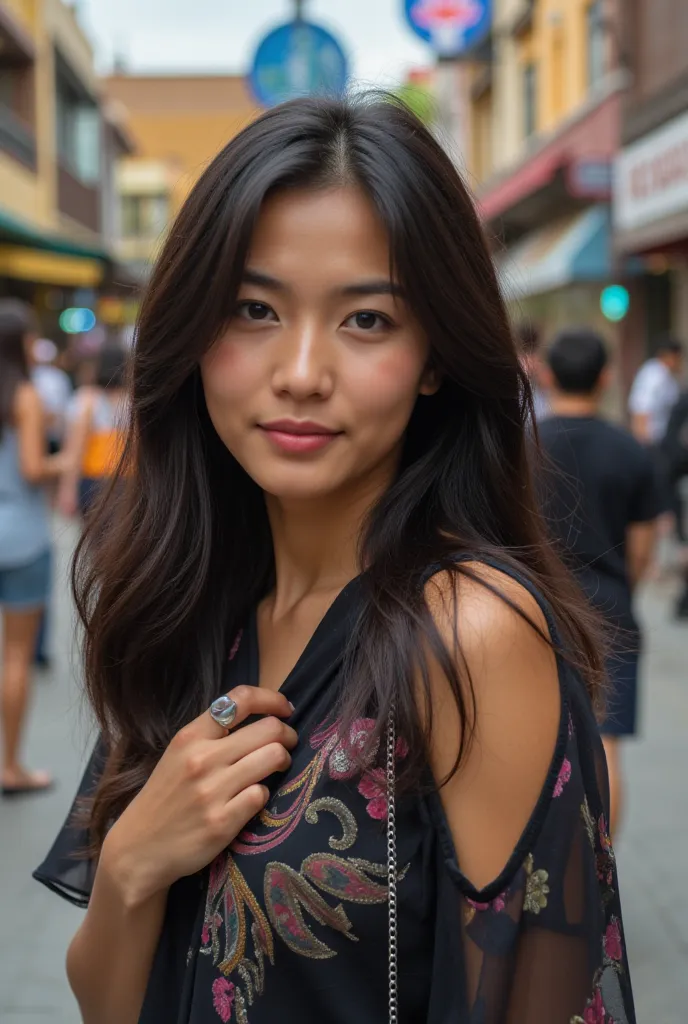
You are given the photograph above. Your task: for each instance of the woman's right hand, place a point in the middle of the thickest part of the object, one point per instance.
(201, 794)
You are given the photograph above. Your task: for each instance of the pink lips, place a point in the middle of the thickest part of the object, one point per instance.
(298, 436)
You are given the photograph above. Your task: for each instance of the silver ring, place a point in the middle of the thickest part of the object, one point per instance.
(223, 711)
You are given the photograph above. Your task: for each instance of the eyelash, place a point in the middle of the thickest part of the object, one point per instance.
(385, 322)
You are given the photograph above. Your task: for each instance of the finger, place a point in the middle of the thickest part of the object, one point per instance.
(256, 766)
(249, 700)
(245, 805)
(252, 737)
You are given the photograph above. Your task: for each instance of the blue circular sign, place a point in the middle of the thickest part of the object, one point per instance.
(298, 59)
(452, 27)
(614, 302)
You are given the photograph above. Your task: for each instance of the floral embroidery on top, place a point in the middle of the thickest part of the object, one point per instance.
(537, 889)
(473, 906)
(373, 787)
(613, 946)
(223, 998)
(563, 777)
(595, 1012)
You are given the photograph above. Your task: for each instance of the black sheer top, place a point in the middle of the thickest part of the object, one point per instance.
(290, 923)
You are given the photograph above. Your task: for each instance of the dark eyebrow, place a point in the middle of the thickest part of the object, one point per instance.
(263, 280)
(361, 289)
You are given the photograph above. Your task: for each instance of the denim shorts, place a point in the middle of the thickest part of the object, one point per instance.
(26, 586)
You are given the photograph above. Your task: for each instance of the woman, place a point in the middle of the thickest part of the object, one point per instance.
(25, 541)
(95, 438)
(329, 532)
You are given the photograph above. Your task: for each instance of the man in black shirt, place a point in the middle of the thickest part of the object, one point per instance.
(601, 500)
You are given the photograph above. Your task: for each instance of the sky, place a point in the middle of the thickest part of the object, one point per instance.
(221, 35)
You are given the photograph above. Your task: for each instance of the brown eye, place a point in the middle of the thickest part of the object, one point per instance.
(255, 311)
(367, 320)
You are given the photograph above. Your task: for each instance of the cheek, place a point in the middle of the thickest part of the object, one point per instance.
(229, 373)
(386, 390)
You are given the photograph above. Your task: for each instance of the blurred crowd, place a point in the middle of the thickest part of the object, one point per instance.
(61, 430)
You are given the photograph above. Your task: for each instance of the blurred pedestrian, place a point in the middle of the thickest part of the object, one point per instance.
(330, 515)
(528, 341)
(55, 390)
(655, 391)
(25, 541)
(674, 452)
(602, 503)
(653, 395)
(95, 435)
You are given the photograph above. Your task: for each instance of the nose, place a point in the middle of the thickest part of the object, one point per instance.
(303, 367)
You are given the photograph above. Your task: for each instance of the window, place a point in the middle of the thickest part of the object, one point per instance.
(482, 136)
(16, 91)
(144, 216)
(557, 71)
(78, 126)
(596, 36)
(529, 100)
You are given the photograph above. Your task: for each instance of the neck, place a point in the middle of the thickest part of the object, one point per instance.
(574, 405)
(316, 541)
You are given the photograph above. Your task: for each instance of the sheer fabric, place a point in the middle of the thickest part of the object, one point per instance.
(290, 923)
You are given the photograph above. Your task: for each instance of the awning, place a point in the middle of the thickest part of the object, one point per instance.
(12, 229)
(38, 265)
(575, 248)
(581, 149)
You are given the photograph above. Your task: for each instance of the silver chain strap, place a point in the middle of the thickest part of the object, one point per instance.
(392, 866)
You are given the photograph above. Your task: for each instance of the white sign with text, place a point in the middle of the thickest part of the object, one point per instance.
(651, 177)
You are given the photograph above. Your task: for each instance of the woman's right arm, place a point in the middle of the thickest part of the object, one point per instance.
(35, 464)
(204, 790)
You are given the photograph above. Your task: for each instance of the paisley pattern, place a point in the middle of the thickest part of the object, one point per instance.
(237, 933)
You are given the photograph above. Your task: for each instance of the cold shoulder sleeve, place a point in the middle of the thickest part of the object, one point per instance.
(544, 942)
(67, 869)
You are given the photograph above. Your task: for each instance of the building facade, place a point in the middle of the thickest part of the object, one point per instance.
(57, 148)
(651, 174)
(178, 124)
(543, 127)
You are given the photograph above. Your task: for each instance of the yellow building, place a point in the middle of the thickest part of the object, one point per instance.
(543, 130)
(178, 124)
(57, 146)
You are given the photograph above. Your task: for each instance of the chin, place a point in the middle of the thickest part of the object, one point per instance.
(299, 483)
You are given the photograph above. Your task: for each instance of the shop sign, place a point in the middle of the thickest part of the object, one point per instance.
(297, 59)
(590, 179)
(651, 177)
(452, 27)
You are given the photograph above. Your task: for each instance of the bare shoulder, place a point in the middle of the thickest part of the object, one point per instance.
(493, 615)
(498, 634)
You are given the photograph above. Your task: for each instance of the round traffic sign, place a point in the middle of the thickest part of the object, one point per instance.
(298, 59)
(452, 27)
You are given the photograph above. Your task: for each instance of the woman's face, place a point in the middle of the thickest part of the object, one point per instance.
(313, 382)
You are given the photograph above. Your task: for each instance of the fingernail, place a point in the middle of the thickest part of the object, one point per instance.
(291, 705)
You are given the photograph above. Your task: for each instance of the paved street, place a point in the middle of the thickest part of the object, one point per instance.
(35, 926)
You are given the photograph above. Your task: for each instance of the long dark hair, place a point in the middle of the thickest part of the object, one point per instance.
(16, 323)
(188, 552)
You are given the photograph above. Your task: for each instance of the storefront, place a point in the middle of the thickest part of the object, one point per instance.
(551, 220)
(49, 272)
(650, 221)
